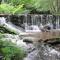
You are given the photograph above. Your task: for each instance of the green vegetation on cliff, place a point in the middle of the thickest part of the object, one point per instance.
(26, 6)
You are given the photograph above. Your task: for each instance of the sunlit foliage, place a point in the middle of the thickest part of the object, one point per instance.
(9, 50)
(24, 6)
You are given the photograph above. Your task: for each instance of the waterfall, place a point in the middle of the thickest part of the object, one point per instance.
(49, 20)
(2, 20)
(8, 25)
(33, 23)
(57, 22)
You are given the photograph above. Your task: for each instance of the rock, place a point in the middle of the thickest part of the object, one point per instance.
(30, 47)
(32, 56)
(27, 41)
(43, 52)
(47, 53)
(16, 40)
(22, 44)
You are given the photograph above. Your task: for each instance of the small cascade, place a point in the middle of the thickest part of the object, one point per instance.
(2, 20)
(9, 26)
(32, 23)
(57, 22)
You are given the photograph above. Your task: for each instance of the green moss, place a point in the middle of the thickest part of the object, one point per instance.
(4, 30)
(10, 51)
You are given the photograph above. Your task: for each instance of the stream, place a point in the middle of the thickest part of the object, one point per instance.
(37, 50)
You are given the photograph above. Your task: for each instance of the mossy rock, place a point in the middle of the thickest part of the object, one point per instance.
(10, 51)
(4, 30)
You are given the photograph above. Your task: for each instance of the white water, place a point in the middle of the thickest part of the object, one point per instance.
(13, 38)
(33, 24)
(32, 28)
(38, 21)
(2, 20)
(9, 25)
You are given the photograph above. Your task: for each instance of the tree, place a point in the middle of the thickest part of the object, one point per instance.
(55, 6)
(39, 5)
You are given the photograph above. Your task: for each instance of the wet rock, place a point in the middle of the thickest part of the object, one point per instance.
(30, 47)
(15, 39)
(27, 41)
(43, 52)
(32, 56)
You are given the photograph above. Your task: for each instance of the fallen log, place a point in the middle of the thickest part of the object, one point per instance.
(42, 36)
(51, 34)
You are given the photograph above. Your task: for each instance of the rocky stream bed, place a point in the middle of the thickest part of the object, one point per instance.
(49, 50)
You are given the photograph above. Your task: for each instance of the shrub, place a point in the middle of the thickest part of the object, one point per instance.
(10, 9)
(6, 8)
(10, 51)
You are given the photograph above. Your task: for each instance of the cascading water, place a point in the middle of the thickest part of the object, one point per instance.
(33, 25)
(2, 20)
(35, 22)
(9, 25)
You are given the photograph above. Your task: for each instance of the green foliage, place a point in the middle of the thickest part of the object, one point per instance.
(6, 8)
(13, 2)
(55, 6)
(41, 5)
(45, 5)
(19, 9)
(18, 2)
(9, 9)
(10, 51)
(25, 6)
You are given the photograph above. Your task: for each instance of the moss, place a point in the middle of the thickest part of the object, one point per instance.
(4, 30)
(10, 51)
